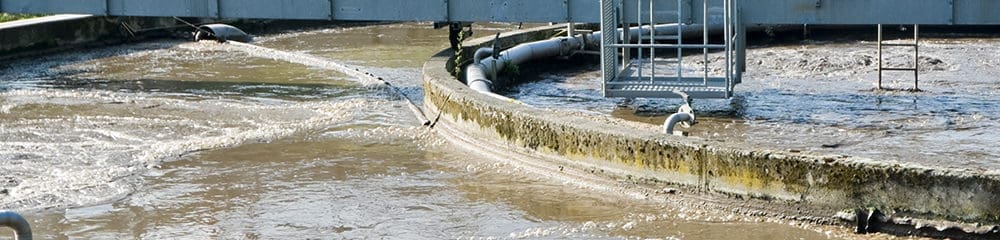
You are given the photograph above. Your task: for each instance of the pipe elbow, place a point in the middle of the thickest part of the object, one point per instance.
(674, 119)
(22, 230)
(482, 53)
(476, 78)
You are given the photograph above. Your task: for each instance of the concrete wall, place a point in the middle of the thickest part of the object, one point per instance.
(828, 183)
(40, 35)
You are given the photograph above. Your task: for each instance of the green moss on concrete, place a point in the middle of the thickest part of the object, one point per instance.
(7, 17)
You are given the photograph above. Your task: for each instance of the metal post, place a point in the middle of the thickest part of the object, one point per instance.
(916, 57)
(727, 25)
(652, 40)
(570, 30)
(741, 48)
(680, 42)
(704, 40)
(879, 86)
(626, 35)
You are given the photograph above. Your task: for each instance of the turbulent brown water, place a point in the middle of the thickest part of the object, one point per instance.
(171, 139)
(816, 96)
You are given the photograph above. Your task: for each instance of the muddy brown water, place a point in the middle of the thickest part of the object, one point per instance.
(177, 140)
(818, 96)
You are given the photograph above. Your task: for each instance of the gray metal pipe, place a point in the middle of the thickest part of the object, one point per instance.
(481, 54)
(476, 78)
(22, 230)
(674, 119)
(221, 33)
(484, 65)
(476, 74)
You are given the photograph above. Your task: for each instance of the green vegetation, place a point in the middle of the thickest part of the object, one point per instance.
(510, 69)
(7, 17)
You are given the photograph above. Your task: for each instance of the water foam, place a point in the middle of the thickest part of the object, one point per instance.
(70, 147)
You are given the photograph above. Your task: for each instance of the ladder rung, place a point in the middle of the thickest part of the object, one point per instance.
(899, 69)
(899, 45)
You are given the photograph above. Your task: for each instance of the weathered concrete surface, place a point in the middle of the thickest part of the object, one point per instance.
(38, 35)
(830, 184)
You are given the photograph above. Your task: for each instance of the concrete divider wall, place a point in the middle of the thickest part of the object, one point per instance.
(827, 183)
(43, 34)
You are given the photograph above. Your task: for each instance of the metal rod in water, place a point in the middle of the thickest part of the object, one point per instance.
(916, 57)
(879, 86)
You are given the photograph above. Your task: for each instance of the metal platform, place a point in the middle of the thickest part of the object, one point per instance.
(645, 78)
(666, 87)
(648, 74)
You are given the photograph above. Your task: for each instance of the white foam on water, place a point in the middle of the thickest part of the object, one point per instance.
(72, 147)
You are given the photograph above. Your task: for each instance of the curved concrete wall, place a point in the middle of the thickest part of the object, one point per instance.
(828, 183)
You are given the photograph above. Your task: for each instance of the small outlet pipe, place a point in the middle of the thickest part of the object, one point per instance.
(674, 119)
(22, 230)
(684, 116)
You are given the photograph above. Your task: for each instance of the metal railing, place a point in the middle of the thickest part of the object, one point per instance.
(629, 79)
(916, 57)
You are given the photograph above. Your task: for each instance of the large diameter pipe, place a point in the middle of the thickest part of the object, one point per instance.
(22, 230)
(484, 65)
(477, 73)
(476, 78)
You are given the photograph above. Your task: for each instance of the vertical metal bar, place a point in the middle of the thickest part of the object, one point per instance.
(728, 41)
(704, 40)
(218, 9)
(569, 12)
(107, 7)
(626, 35)
(916, 57)
(741, 43)
(652, 40)
(879, 86)
(570, 29)
(680, 42)
(638, 21)
(741, 33)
